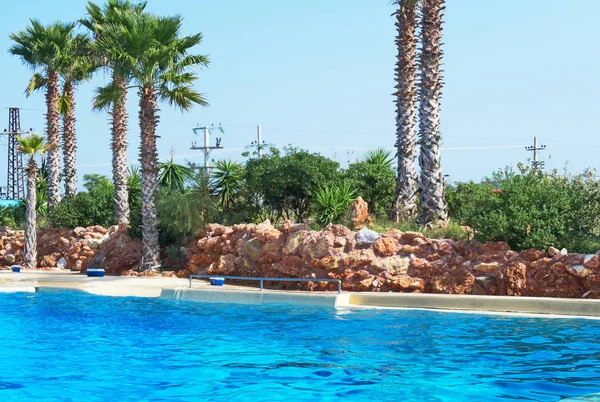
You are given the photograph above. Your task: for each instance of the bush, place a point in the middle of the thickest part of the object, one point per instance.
(375, 183)
(332, 202)
(88, 208)
(286, 185)
(530, 209)
(182, 214)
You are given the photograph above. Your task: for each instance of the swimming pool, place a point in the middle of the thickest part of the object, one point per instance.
(76, 346)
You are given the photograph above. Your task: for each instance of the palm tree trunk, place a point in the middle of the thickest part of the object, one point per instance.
(52, 127)
(149, 162)
(119, 149)
(406, 111)
(69, 143)
(30, 240)
(435, 210)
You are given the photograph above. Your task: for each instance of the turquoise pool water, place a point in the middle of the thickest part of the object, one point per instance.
(79, 347)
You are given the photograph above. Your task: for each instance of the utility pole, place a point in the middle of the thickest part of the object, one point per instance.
(15, 182)
(535, 163)
(259, 144)
(207, 148)
(259, 139)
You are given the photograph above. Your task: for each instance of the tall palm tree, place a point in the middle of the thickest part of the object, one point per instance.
(32, 146)
(159, 64)
(435, 209)
(77, 67)
(45, 48)
(406, 110)
(115, 12)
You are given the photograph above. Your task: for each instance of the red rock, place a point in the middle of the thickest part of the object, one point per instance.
(405, 283)
(289, 227)
(266, 232)
(358, 213)
(290, 266)
(359, 258)
(331, 262)
(385, 246)
(338, 230)
(487, 267)
(316, 244)
(591, 261)
(531, 255)
(512, 279)
(409, 237)
(225, 264)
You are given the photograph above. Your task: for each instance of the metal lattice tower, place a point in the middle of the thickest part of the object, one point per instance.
(15, 184)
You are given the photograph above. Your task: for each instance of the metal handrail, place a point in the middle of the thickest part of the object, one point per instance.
(250, 278)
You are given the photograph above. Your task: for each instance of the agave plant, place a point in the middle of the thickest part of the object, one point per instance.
(379, 157)
(332, 202)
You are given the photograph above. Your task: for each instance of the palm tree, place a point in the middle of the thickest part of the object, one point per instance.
(435, 209)
(158, 61)
(77, 67)
(115, 12)
(406, 110)
(227, 181)
(32, 146)
(45, 48)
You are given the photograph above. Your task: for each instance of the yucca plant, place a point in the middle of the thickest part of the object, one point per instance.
(172, 176)
(379, 157)
(332, 202)
(227, 181)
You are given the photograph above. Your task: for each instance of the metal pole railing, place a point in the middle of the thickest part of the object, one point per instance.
(261, 280)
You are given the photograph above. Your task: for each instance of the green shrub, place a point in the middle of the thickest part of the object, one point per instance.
(332, 202)
(286, 184)
(87, 208)
(375, 183)
(530, 209)
(182, 214)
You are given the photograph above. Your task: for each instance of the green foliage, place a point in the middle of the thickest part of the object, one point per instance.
(375, 183)
(227, 182)
(530, 209)
(182, 214)
(173, 177)
(88, 208)
(287, 184)
(7, 217)
(332, 202)
(379, 157)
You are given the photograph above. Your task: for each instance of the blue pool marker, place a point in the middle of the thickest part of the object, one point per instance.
(95, 272)
(217, 281)
(16, 268)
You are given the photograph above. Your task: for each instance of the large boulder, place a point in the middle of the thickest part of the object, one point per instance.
(316, 244)
(365, 237)
(358, 214)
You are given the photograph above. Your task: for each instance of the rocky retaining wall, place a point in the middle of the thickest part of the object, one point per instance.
(76, 249)
(393, 261)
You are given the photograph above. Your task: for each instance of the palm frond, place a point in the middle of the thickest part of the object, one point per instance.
(36, 83)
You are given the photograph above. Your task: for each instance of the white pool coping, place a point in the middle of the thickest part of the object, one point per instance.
(177, 288)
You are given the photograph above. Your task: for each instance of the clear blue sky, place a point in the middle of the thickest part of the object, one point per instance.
(513, 69)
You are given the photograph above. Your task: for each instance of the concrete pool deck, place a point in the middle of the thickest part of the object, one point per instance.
(177, 288)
